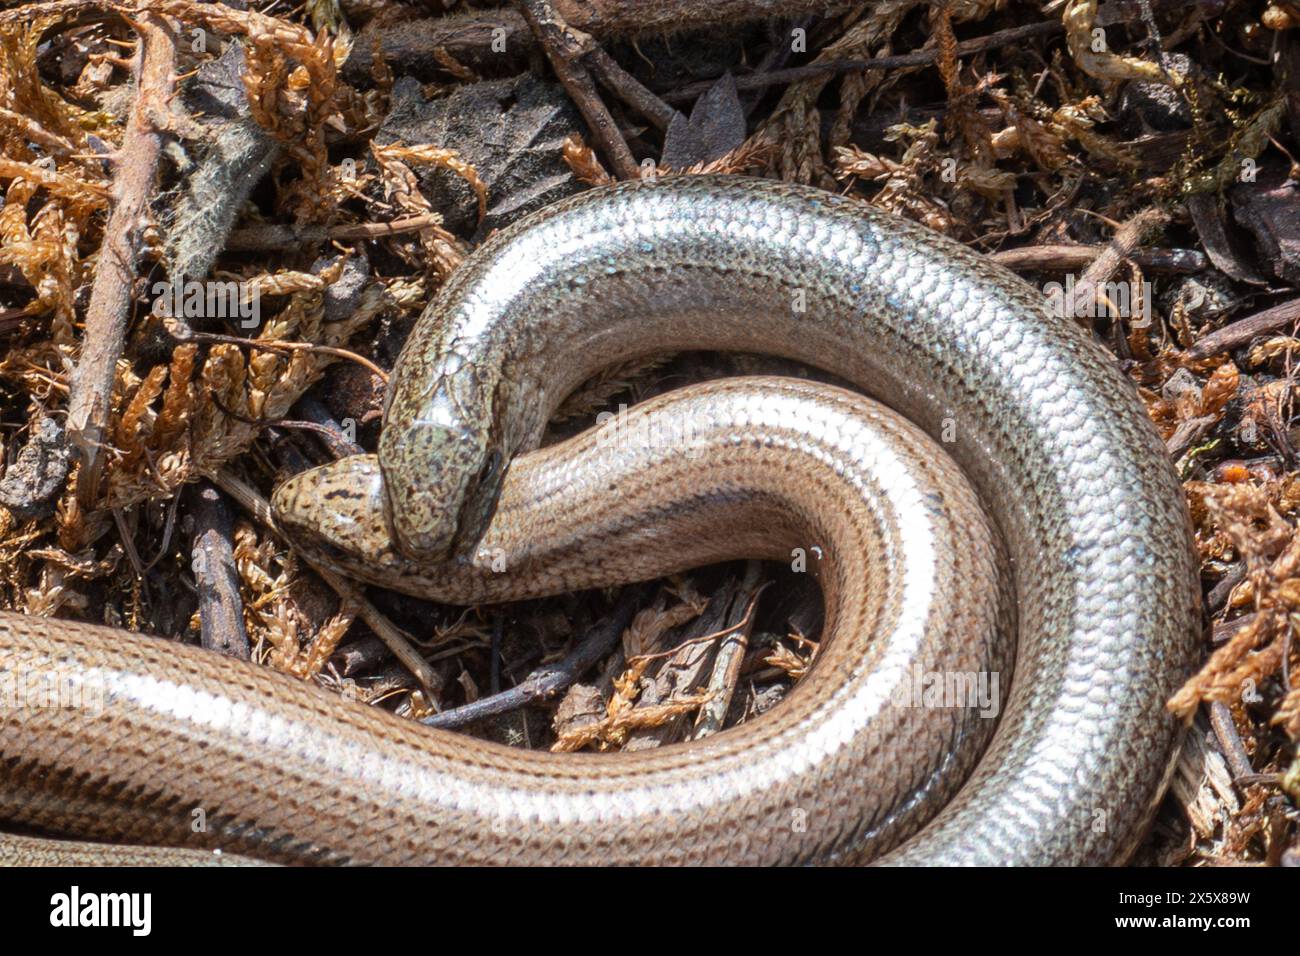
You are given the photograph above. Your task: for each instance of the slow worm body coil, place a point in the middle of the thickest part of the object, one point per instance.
(1027, 510)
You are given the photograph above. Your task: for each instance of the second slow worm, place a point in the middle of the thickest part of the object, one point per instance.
(1086, 560)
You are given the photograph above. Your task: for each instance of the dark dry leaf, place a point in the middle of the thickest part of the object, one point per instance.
(1211, 225)
(344, 294)
(1158, 107)
(470, 39)
(36, 477)
(716, 127)
(233, 153)
(1270, 209)
(582, 706)
(511, 131)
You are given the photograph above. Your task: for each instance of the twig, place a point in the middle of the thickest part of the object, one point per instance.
(128, 543)
(726, 665)
(565, 48)
(272, 423)
(1187, 434)
(182, 332)
(614, 17)
(398, 641)
(549, 680)
(1219, 594)
(331, 432)
(498, 39)
(1243, 330)
(689, 665)
(278, 236)
(629, 89)
(1233, 749)
(60, 13)
(111, 295)
(221, 610)
(1068, 258)
(1225, 631)
(1111, 13)
(411, 44)
(37, 133)
(1121, 246)
(755, 81)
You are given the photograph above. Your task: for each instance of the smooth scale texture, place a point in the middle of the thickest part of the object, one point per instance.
(1034, 413)
(285, 771)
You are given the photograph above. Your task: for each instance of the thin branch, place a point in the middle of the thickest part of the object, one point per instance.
(629, 89)
(331, 432)
(329, 435)
(1243, 330)
(726, 665)
(496, 34)
(812, 71)
(1122, 245)
(274, 236)
(565, 48)
(1060, 257)
(221, 609)
(1233, 749)
(112, 293)
(547, 681)
(614, 17)
(180, 331)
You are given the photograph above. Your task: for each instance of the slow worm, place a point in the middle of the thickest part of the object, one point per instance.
(1028, 510)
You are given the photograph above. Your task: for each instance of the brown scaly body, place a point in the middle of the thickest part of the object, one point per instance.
(1046, 431)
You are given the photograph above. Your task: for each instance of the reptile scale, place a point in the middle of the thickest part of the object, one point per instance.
(1012, 502)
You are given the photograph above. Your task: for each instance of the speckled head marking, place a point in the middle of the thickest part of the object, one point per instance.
(440, 452)
(441, 486)
(334, 514)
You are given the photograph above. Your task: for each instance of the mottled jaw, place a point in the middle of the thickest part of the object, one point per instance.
(334, 514)
(432, 470)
